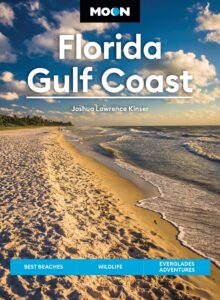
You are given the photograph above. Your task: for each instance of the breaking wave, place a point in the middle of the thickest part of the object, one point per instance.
(206, 150)
(184, 206)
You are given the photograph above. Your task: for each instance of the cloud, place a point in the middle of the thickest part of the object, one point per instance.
(6, 110)
(49, 100)
(12, 86)
(18, 113)
(213, 37)
(61, 115)
(205, 115)
(204, 73)
(9, 96)
(6, 14)
(95, 91)
(34, 10)
(70, 21)
(6, 52)
(32, 7)
(176, 62)
(67, 23)
(127, 36)
(12, 89)
(35, 111)
(43, 22)
(6, 76)
(209, 22)
(19, 106)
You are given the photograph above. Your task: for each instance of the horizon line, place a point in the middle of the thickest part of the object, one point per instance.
(110, 97)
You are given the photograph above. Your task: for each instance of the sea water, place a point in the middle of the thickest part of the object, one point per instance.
(183, 163)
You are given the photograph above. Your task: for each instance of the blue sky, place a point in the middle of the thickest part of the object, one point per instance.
(189, 33)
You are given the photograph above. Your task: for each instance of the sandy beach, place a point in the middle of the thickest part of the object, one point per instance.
(58, 203)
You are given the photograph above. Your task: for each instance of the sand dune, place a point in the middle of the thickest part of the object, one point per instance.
(53, 206)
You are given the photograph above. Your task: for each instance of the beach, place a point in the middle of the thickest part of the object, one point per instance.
(59, 203)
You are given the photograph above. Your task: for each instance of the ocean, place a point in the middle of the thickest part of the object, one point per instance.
(182, 163)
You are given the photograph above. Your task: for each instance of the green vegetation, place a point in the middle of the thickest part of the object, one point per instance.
(16, 122)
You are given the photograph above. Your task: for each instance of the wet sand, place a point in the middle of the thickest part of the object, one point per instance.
(57, 203)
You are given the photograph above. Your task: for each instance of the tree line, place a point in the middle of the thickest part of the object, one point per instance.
(15, 121)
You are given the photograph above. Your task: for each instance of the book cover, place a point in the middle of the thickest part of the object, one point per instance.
(109, 149)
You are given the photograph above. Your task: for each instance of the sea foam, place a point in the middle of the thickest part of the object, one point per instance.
(186, 207)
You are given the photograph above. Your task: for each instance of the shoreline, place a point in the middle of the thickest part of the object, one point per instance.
(58, 202)
(147, 190)
(182, 241)
(146, 216)
(178, 228)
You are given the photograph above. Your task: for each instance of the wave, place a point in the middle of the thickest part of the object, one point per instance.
(107, 146)
(153, 133)
(114, 153)
(211, 138)
(203, 149)
(124, 138)
(184, 206)
(72, 137)
(139, 131)
(197, 135)
(192, 211)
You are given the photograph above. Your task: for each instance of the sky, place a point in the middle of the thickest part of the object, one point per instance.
(189, 33)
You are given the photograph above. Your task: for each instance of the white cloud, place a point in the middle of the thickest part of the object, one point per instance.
(6, 14)
(213, 37)
(127, 36)
(61, 115)
(95, 90)
(208, 96)
(9, 96)
(6, 52)
(43, 22)
(34, 5)
(68, 23)
(204, 73)
(6, 110)
(176, 62)
(19, 106)
(43, 43)
(18, 113)
(50, 100)
(209, 22)
(35, 111)
(59, 112)
(34, 10)
(6, 76)
(29, 112)
(11, 85)
(206, 115)
(12, 89)
(56, 112)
